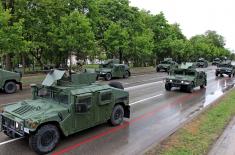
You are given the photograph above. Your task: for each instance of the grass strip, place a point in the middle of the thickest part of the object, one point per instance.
(197, 136)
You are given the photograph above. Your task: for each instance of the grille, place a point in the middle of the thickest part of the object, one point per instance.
(24, 109)
(177, 81)
(8, 122)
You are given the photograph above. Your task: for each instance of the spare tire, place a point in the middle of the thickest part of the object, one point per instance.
(116, 85)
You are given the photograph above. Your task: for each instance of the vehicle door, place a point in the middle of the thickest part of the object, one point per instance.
(200, 79)
(115, 71)
(104, 105)
(84, 111)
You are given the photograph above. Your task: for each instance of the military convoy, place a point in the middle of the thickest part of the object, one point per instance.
(225, 68)
(112, 69)
(166, 65)
(186, 78)
(9, 81)
(202, 63)
(64, 105)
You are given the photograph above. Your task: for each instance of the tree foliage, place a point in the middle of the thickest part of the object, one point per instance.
(91, 29)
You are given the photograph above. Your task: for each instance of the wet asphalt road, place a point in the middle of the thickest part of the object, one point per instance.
(155, 114)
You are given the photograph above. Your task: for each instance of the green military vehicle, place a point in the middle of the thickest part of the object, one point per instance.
(202, 63)
(112, 69)
(64, 105)
(186, 78)
(216, 61)
(225, 68)
(9, 81)
(167, 65)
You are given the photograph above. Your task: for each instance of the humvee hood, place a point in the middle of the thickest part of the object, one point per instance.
(183, 78)
(104, 70)
(34, 109)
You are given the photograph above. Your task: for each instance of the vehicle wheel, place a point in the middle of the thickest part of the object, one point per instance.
(216, 74)
(158, 70)
(45, 139)
(126, 75)
(182, 88)
(168, 87)
(117, 115)
(230, 75)
(116, 85)
(221, 75)
(190, 88)
(108, 76)
(10, 87)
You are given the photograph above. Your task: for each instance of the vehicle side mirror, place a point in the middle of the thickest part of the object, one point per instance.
(81, 108)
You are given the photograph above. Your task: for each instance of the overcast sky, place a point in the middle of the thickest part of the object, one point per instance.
(196, 16)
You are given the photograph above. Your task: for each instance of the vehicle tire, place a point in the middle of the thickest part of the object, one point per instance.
(10, 87)
(190, 88)
(158, 70)
(126, 75)
(45, 139)
(230, 75)
(108, 76)
(216, 74)
(117, 115)
(168, 87)
(116, 85)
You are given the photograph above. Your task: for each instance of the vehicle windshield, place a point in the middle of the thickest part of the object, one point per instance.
(225, 65)
(184, 72)
(179, 72)
(50, 94)
(189, 73)
(165, 62)
(200, 61)
(106, 64)
(217, 59)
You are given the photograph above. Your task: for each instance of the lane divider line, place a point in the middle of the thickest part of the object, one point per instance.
(9, 141)
(143, 85)
(149, 98)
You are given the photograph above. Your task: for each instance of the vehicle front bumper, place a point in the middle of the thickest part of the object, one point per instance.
(224, 72)
(178, 84)
(8, 126)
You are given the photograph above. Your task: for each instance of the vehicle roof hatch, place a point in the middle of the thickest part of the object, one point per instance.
(52, 77)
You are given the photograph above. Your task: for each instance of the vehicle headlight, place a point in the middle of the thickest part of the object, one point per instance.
(171, 81)
(185, 82)
(18, 126)
(30, 123)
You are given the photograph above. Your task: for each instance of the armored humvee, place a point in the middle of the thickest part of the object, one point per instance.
(64, 105)
(216, 61)
(225, 68)
(186, 78)
(167, 65)
(9, 81)
(112, 69)
(202, 63)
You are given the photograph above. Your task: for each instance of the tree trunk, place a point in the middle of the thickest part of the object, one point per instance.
(120, 56)
(8, 62)
(23, 62)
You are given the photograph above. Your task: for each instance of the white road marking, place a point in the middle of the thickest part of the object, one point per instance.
(149, 98)
(156, 78)
(9, 141)
(143, 85)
